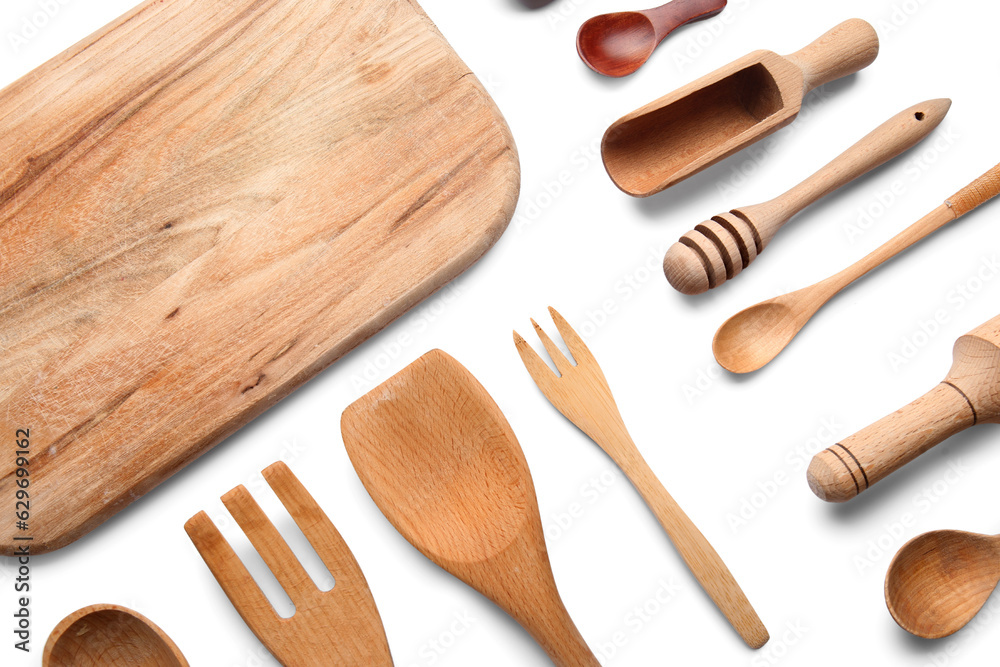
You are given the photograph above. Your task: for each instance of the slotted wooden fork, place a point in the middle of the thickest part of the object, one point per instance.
(581, 393)
(341, 626)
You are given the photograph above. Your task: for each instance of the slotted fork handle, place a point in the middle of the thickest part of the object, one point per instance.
(701, 558)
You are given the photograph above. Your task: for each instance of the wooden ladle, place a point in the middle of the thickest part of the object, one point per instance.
(721, 113)
(440, 460)
(108, 635)
(940, 580)
(753, 337)
(619, 43)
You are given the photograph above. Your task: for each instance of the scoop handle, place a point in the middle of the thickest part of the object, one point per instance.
(844, 470)
(845, 49)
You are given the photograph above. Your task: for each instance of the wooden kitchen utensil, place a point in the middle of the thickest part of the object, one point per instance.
(581, 393)
(940, 580)
(619, 43)
(442, 463)
(969, 395)
(719, 249)
(341, 626)
(203, 205)
(723, 112)
(108, 635)
(753, 337)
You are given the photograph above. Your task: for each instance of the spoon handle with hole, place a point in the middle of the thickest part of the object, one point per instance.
(969, 395)
(968, 198)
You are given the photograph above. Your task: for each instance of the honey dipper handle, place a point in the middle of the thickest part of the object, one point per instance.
(843, 471)
(847, 48)
(981, 190)
(890, 139)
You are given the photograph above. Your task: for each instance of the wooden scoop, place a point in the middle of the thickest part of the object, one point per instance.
(751, 338)
(940, 580)
(970, 395)
(107, 634)
(440, 460)
(723, 112)
(717, 250)
(619, 43)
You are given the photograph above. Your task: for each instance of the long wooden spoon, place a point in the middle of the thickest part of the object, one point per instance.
(940, 580)
(108, 634)
(440, 460)
(753, 337)
(619, 43)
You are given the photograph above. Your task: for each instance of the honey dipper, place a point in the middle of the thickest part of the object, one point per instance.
(717, 250)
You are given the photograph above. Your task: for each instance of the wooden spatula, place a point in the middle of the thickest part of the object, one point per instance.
(969, 395)
(339, 627)
(442, 463)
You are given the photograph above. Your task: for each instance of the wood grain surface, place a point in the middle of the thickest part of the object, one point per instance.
(201, 207)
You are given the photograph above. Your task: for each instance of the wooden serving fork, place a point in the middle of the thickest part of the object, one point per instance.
(341, 626)
(581, 393)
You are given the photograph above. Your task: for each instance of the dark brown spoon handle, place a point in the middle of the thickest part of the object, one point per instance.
(667, 18)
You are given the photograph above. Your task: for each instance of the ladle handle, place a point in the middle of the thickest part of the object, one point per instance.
(845, 49)
(843, 471)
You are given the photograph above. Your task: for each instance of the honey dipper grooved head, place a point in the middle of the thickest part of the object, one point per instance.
(685, 270)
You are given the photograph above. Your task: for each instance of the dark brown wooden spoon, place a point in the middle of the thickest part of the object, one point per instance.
(618, 44)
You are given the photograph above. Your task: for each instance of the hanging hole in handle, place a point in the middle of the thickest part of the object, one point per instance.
(919, 115)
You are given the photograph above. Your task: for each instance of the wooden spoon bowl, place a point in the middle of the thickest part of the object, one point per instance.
(940, 580)
(440, 460)
(619, 43)
(105, 634)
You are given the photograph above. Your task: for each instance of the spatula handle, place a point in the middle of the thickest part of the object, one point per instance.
(845, 49)
(841, 472)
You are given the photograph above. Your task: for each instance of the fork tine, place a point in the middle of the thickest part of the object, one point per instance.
(537, 369)
(269, 543)
(228, 570)
(580, 351)
(314, 523)
(557, 356)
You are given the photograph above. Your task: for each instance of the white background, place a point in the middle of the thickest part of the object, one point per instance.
(721, 444)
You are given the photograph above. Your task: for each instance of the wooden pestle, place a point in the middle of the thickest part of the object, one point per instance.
(717, 250)
(970, 395)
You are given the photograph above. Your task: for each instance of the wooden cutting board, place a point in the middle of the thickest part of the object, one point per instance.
(203, 205)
